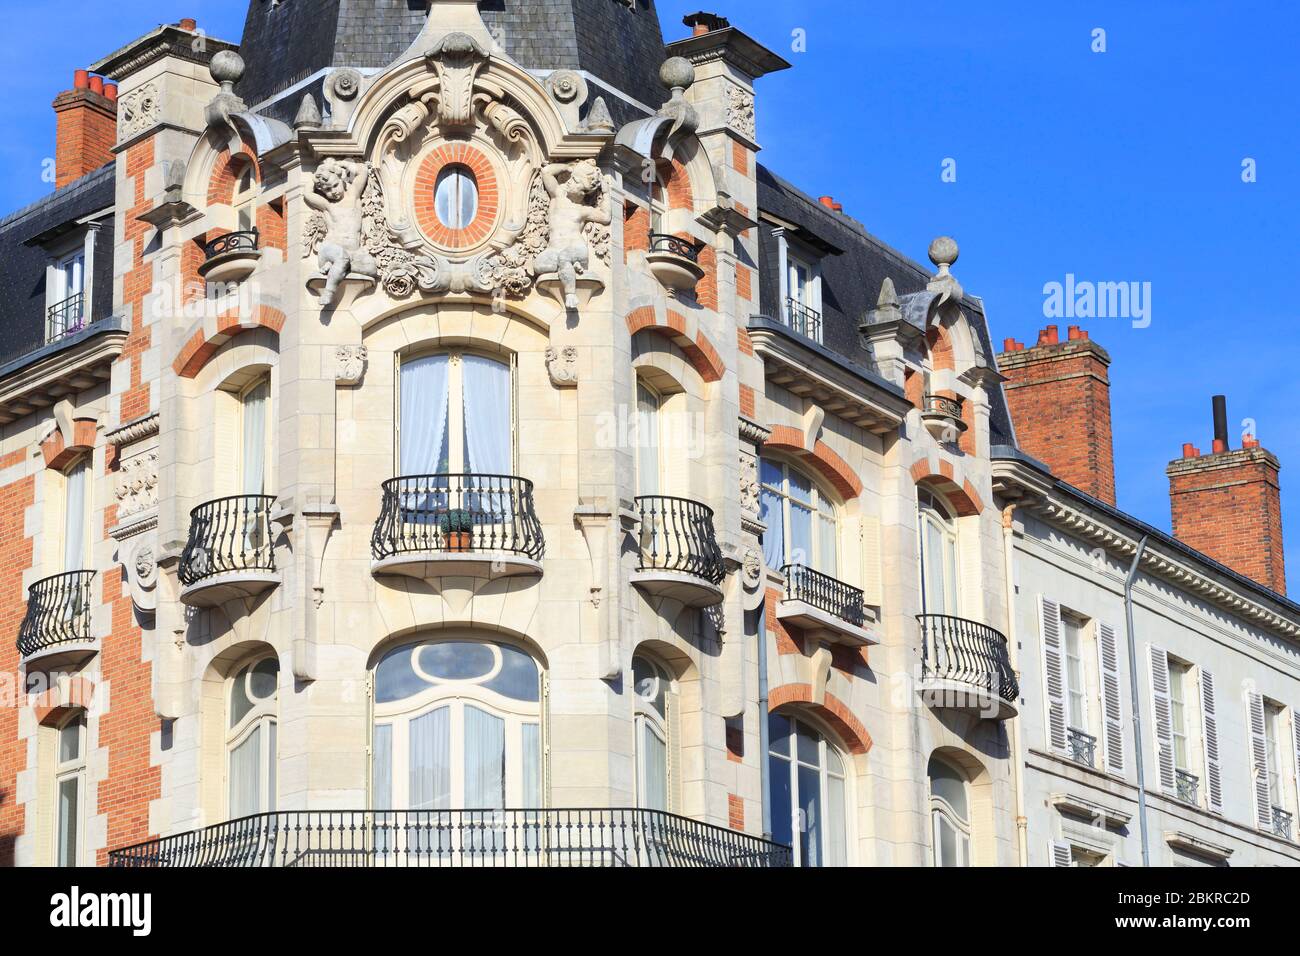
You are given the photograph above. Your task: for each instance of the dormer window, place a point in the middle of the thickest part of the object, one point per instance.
(67, 309)
(801, 287)
(455, 197)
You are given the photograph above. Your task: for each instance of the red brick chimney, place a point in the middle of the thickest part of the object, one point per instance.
(1228, 505)
(86, 117)
(1059, 398)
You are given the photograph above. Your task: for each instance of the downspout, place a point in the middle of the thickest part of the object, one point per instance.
(1013, 649)
(1135, 703)
(764, 768)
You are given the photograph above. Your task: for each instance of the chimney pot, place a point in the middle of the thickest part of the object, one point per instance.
(110, 91)
(97, 85)
(81, 80)
(1249, 441)
(1073, 333)
(827, 201)
(1190, 450)
(189, 24)
(1219, 446)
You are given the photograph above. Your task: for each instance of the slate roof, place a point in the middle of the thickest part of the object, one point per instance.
(854, 263)
(22, 265)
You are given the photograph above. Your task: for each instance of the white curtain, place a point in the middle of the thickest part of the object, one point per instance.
(255, 404)
(69, 814)
(485, 760)
(486, 388)
(654, 768)
(429, 783)
(647, 440)
(532, 766)
(774, 537)
(424, 416)
(826, 538)
(245, 776)
(74, 536)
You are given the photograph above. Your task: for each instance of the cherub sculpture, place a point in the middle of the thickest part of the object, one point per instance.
(338, 186)
(567, 254)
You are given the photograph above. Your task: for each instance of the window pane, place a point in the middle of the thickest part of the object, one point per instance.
(456, 196)
(826, 546)
(74, 538)
(517, 678)
(801, 544)
(70, 739)
(429, 775)
(769, 511)
(810, 840)
(809, 745)
(423, 415)
(254, 410)
(381, 786)
(263, 679)
(782, 822)
(950, 786)
(532, 783)
(801, 487)
(778, 734)
(946, 835)
(69, 813)
(770, 473)
(836, 839)
(272, 758)
(456, 660)
(487, 418)
(654, 768)
(395, 678)
(485, 760)
(245, 776)
(647, 440)
(240, 705)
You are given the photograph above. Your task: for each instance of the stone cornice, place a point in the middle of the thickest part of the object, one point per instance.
(134, 431)
(736, 49)
(169, 40)
(81, 362)
(1223, 460)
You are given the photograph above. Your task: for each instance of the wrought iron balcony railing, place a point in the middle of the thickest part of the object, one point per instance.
(228, 535)
(1082, 746)
(807, 322)
(64, 318)
(942, 405)
(953, 648)
(1187, 786)
(456, 838)
(58, 612)
(245, 241)
(674, 245)
(1282, 821)
(677, 535)
(824, 592)
(457, 513)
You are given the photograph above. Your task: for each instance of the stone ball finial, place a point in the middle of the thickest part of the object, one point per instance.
(943, 252)
(227, 67)
(676, 72)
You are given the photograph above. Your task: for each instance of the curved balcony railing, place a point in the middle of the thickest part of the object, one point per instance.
(674, 245)
(942, 405)
(244, 241)
(807, 322)
(457, 513)
(953, 648)
(228, 535)
(456, 838)
(64, 318)
(677, 535)
(824, 592)
(58, 612)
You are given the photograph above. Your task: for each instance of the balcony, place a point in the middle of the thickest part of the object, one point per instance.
(458, 838)
(231, 257)
(1082, 747)
(64, 318)
(229, 554)
(1187, 787)
(803, 320)
(1282, 821)
(820, 605)
(965, 666)
(675, 262)
(468, 525)
(56, 628)
(680, 557)
(941, 415)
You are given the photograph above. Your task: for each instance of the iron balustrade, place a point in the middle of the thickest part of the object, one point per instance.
(64, 318)
(677, 535)
(1282, 821)
(824, 592)
(674, 245)
(807, 322)
(244, 241)
(1083, 747)
(457, 513)
(228, 535)
(58, 612)
(1187, 786)
(953, 648)
(457, 838)
(942, 405)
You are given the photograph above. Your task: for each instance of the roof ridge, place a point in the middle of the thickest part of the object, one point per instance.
(71, 189)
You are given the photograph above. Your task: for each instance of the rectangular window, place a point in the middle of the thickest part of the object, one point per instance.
(69, 796)
(803, 300)
(1075, 673)
(1178, 684)
(74, 516)
(1274, 738)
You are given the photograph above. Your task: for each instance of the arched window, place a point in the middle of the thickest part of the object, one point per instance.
(455, 196)
(70, 790)
(245, 197)
(800, 518)
(654, 691)
(76, 515)
(254, 412)
(251, 716)
(937, 541)
(457, 726)
(809, 792)
(949, 814)
(455, 415)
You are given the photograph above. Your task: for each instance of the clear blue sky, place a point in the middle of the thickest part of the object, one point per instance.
(1115, 166)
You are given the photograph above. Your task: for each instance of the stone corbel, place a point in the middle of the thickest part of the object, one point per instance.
(595, 520)
(170, 625)
(819, 671)
(457, 59)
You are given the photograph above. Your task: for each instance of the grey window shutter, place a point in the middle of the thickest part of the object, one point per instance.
(1049, 617)
(1295, 734)
(1061, 855)
(1163, 708)
(1111, 707)
(1210, 734)
(1259, 760)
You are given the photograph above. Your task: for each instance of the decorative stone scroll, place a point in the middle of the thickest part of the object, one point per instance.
(562, 366)
(740, 111)
(350, 364)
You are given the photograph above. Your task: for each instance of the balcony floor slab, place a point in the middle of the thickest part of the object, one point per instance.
(947, 694)
(830, 627)
(689, 589)
(232, 585)
(431, 565)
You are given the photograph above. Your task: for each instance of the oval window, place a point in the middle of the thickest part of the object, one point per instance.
(455, 196)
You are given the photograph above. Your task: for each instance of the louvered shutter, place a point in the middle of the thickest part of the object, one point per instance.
(1259, 760)
(1163, 708)
(1061, 855)
(1049, 616)
(1111, 709)
(1295, 734)
(1210, 734)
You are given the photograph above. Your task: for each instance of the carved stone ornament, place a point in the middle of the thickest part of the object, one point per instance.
(562, 365)
(579, 197)
(140, 565)
(137, 485)
(350, 364)
(335, 232)
(751, 568)
(749, 486)
(569, 90)
(458, 58)
(740, 110)
(138, 111)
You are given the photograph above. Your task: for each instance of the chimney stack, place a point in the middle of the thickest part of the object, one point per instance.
(1058, 393)
(1228, 504)
(86, 127)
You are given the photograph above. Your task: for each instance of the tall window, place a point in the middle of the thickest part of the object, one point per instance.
(251, 738)
(1273, 734)
(938, 545)
(809, 802)
(1076, 680)
(455, 196)
(1179, 681)
(455, 415)
(653, 686)
(245, 198)
(70, 276)
(803, 297)
(75, 517)
(254, 409)
(649, 424)
(800, 519)
(949, 814)
(457, 726)
(69, 790)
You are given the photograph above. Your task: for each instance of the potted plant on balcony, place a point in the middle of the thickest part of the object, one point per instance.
(456, 524)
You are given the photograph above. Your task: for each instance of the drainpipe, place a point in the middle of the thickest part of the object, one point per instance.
(764, 769)
(1136, 702)
(1017, 740)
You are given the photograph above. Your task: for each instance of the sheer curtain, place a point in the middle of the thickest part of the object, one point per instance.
(254, 427)
(74, 532)
(424, 415)
(654, 769)
(487, 415)
(429, 782)
(245, 778)
(647, 433)
(485, 760)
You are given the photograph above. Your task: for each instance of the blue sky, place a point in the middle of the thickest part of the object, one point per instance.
(1117, 166)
